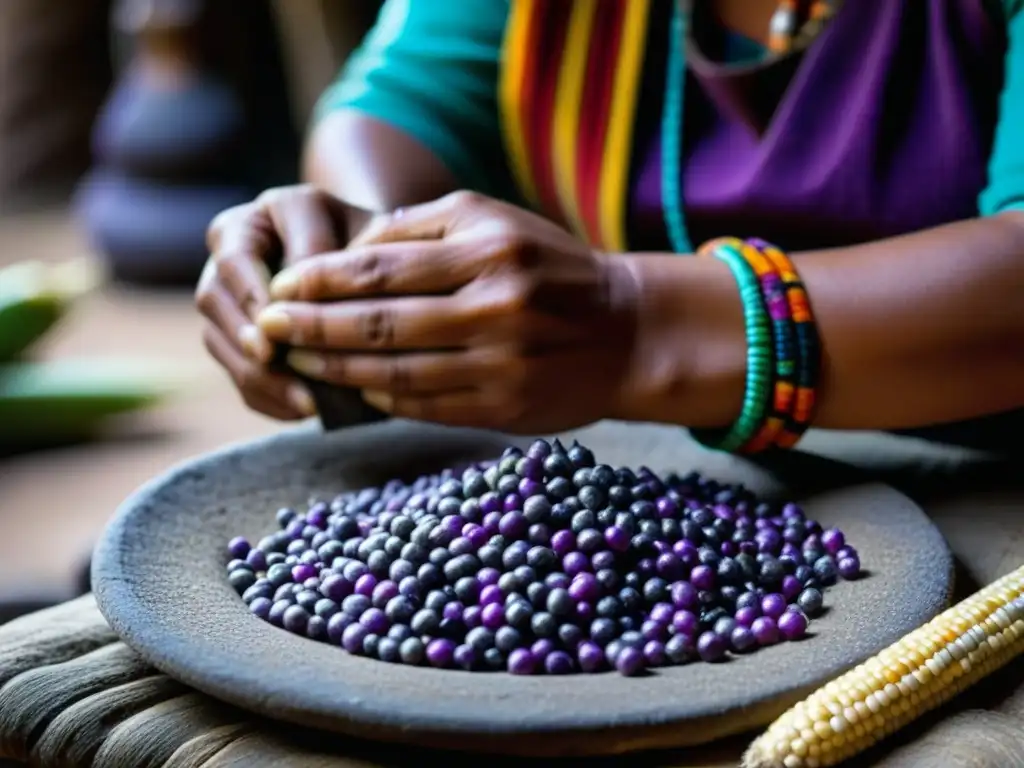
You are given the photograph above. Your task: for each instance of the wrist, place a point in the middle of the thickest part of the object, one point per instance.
(690, 351)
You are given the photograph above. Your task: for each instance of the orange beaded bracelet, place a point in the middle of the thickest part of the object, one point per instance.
(808, 345)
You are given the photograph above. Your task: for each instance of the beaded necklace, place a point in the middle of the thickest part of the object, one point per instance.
(789, 32)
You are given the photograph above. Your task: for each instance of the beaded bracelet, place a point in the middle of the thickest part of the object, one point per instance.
(808, 369)
(786, 353)
(759, 352)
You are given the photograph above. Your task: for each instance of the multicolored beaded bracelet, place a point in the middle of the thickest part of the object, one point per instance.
(786, 352)
(760, 354)
(808, 345)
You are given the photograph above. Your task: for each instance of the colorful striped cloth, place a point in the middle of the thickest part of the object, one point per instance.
(570, 137)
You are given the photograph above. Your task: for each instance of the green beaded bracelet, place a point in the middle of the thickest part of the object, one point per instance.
(760, 354)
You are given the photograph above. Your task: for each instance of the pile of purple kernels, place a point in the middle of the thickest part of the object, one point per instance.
(544, 562)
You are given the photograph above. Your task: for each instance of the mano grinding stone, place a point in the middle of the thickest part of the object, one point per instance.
(341, 407)
(159, 579)
(337, 407)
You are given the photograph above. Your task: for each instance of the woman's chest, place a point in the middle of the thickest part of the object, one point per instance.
(882, 126)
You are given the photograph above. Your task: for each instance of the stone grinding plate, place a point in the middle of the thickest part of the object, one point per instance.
(159, 577)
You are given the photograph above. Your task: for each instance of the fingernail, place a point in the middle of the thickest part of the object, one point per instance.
(300, 399)
(382, 401)
(253, 343)
(285, 284)
(309, 363)
(275, 322)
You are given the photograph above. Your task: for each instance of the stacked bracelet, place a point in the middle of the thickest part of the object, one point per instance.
(786, 355)
(783, 355)
(760, 356)
(807, 341)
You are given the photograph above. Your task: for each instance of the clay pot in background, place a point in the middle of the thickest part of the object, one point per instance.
(199, 120)
(152, 233)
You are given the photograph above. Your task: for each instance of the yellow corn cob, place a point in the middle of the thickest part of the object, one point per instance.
(916, 674)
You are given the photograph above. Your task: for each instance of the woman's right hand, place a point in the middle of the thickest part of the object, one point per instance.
(280, 227)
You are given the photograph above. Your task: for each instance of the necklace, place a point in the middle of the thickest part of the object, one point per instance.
(791, 30)
(786, 35)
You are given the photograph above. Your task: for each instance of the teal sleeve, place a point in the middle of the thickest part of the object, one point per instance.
(1005, 189)
(430, 69)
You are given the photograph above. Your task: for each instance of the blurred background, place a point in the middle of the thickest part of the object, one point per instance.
(125, 126)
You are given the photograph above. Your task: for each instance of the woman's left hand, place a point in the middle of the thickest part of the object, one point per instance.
(465, 311)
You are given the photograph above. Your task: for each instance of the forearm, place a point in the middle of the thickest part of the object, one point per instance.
(371, 166)
(917, 330)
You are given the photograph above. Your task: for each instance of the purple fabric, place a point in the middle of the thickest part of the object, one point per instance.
(882, 127)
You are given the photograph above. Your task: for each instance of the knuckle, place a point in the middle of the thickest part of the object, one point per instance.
(399, 376)
(248, 378)
(371, 272)
(309, 326)
(224, 272)
(206, 300)
(276, 196)
(464, 198)
(511, 250)
(270, 199)
(279, 198)
(223, 220)
(313, 278)
(311, 194)
(223, 264)
(237, 223)
(517, 297)
(336, 368)
(316, 327)
(377, 326)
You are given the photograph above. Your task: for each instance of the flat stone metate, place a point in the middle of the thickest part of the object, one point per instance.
(159, 580)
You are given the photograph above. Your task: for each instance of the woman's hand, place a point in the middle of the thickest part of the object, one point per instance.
(465, 311)
(282, 225)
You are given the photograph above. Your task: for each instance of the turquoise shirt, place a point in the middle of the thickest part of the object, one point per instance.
(431, 70)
